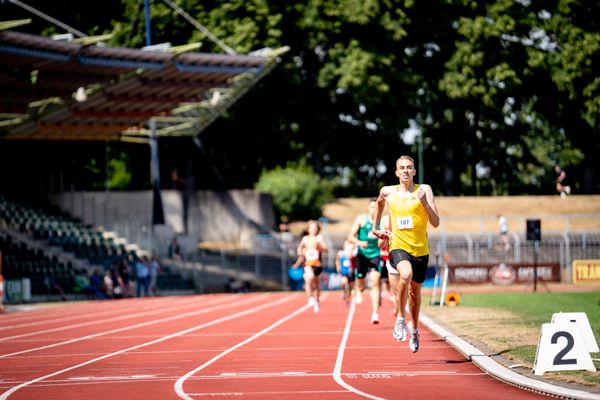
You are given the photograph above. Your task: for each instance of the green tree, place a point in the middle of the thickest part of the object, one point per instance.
(522, 76)
(499, 90)
(297, 190)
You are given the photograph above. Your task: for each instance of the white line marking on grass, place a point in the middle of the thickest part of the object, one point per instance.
(179, 384)
(340, 358)
(6, 394)
(130, 327)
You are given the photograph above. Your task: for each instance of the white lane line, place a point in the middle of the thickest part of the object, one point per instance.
(130, 327)
(179, 384)
(76, 381)
(59, 310)
(217, 321)
(241, 394)
(84, 311)
(340, 358)
(125, 316)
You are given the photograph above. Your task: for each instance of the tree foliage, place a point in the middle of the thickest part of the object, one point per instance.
(498, 91)
(297, 191)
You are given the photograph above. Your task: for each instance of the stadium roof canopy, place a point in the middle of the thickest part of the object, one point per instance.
(83, 90)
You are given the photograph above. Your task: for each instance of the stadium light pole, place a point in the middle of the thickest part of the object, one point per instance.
(158, 216)
(147, 18)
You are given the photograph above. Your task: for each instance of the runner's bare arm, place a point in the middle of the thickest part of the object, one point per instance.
(425, 195)
(386, 229)
(383, 193)
(352, 236)
(322, 246)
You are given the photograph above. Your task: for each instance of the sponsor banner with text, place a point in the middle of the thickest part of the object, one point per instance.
(502, 273)
(586, 271)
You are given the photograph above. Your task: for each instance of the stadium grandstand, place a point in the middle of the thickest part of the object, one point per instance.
(78, 89)
(42, 242)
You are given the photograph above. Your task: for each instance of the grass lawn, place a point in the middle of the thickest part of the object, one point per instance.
(510, 324)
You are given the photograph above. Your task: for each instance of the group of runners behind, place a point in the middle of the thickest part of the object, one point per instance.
(390, 250)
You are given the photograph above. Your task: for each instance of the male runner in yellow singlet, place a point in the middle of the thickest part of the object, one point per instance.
(411, 207)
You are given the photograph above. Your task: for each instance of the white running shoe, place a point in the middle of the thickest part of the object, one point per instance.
(311, 301)
(400, 332)
(316, 307)
(374, 318)
(413, 343)
(358, 297)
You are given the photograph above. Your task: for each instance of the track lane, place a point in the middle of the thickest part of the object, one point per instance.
(57, 312)
(89, 320)
(390, 370)
(293, 360)
(38, 340)
(270, 353)
(30, 389)
(73, 350)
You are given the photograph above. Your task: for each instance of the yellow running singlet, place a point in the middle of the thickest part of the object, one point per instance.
(409, 223)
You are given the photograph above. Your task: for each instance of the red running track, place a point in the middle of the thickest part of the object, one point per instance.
(252, 346)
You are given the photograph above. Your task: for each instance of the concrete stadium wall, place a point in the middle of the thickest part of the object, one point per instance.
(234, 216)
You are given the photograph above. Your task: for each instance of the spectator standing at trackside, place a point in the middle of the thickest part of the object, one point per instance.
(109, 285)
(562, 184)
(119, 288)
(125, 274)
(310, 250)
(142, 276)
(368, 257)
(82, 283)
(174, 249)
(153, 269)
(411, 208)
(503, 229)
(97, 284)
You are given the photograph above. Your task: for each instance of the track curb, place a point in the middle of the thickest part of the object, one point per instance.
(492, 367)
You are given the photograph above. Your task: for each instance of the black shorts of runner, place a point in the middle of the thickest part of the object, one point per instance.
(316, 270)
(419, 264)
(364, 265)
(383, 269)
(351, 276)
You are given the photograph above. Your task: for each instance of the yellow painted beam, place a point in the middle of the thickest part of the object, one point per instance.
(93, 39)
(184, 48)
(4, 25)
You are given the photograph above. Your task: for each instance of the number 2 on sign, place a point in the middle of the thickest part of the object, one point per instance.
(559, 360)
(404, 222)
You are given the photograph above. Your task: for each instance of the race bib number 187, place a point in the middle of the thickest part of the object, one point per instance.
(404, 222)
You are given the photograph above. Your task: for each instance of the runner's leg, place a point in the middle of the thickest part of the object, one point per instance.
(415, 303)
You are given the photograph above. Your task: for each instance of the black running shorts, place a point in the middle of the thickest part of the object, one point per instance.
(316, 270)
(364, 265)
(419, 264)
